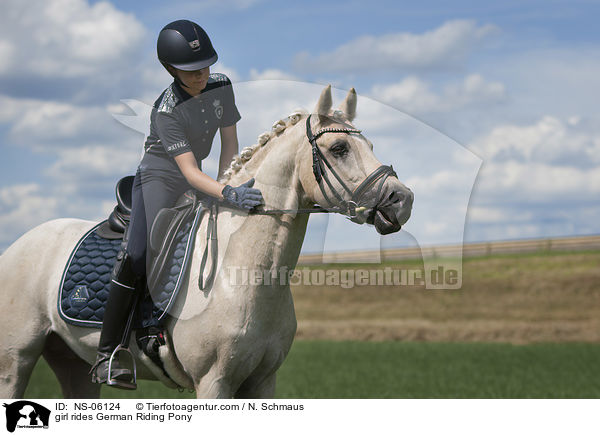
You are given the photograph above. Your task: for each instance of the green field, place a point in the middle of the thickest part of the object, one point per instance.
(319, 369)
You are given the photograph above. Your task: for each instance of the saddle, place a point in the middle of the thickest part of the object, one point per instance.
(168, 223)
(86, 278)
(118, 221)
(120, 216)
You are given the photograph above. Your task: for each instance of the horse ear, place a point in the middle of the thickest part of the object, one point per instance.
(349, 105)
(324, 104)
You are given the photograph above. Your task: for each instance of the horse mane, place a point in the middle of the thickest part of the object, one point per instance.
(239, 160)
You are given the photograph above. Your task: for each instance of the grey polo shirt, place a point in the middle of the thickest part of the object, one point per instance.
(180, 123)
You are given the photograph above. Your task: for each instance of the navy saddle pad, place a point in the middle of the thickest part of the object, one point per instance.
(86, 279)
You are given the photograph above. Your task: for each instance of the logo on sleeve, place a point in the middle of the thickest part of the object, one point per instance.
(218, 109)
(177, 146)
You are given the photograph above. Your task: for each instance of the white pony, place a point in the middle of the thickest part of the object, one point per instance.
(230, 340)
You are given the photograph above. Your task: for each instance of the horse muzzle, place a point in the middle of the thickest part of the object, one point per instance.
(392, 212)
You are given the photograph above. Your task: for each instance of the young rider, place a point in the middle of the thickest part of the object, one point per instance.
(184, 121)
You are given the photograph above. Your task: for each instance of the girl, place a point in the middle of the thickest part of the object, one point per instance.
(184, 121)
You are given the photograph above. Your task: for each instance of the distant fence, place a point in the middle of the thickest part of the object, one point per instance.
(581, 243)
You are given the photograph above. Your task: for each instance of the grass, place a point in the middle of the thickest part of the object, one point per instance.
(321, 369)
(440, 370)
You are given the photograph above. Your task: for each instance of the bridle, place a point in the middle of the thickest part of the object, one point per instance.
(350, 207)
(320, 161)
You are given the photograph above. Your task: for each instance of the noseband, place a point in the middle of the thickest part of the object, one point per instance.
(320, 163)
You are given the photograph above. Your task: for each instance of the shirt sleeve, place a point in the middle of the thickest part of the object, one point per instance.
(171, 134)
(231, 115)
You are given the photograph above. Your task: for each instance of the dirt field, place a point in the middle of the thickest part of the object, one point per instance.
(517, 299)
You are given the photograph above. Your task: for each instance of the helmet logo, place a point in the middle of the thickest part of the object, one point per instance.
(218, 109)
(195, 44)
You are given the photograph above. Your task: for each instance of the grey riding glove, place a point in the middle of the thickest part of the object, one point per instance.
(243, 196)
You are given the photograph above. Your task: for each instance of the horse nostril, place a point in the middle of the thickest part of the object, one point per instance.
(396, 197)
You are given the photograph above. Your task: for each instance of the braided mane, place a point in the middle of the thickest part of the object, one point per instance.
(239, 160)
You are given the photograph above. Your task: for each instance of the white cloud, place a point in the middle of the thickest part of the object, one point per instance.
(447, 46)
(45, 44)
(443, 183)
(411, 95)
(538, 182)
(22, 207)
(561, 78)
(415, 96)
(550, 140)
(540, 179)
(474, 89)
(66, 38)
(49, 126)
(490, 214)
(222, 68)
(270, 74)
(6, 54)
(93, 161)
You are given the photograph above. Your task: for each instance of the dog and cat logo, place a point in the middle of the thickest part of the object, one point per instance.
(25, 414)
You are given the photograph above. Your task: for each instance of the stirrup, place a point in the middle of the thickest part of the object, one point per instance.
(114, 382)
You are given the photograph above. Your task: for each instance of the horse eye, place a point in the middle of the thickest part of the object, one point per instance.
(339, 148)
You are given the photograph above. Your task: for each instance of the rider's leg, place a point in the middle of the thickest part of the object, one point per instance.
(129, 270)
(159, 189)
(116, 312)
(151, 192)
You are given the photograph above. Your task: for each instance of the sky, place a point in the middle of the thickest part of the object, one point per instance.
(487, 110)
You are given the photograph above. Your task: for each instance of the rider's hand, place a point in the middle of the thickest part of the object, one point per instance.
(243, 196)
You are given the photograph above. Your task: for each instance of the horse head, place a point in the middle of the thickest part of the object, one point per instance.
(322, 159)
(339, 171)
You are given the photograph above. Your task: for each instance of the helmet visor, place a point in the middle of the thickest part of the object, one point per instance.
(193, 66)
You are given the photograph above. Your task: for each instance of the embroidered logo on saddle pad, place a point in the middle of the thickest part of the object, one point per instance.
(79, 296)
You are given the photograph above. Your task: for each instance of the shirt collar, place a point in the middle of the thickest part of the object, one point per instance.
(181, 93)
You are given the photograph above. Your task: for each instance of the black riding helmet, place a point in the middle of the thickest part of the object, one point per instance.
(185, 45)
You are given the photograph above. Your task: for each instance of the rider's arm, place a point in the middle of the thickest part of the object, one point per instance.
(195, 177)
(199, 180)
(229, 147)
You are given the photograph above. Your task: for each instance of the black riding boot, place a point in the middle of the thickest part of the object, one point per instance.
(116, 313)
